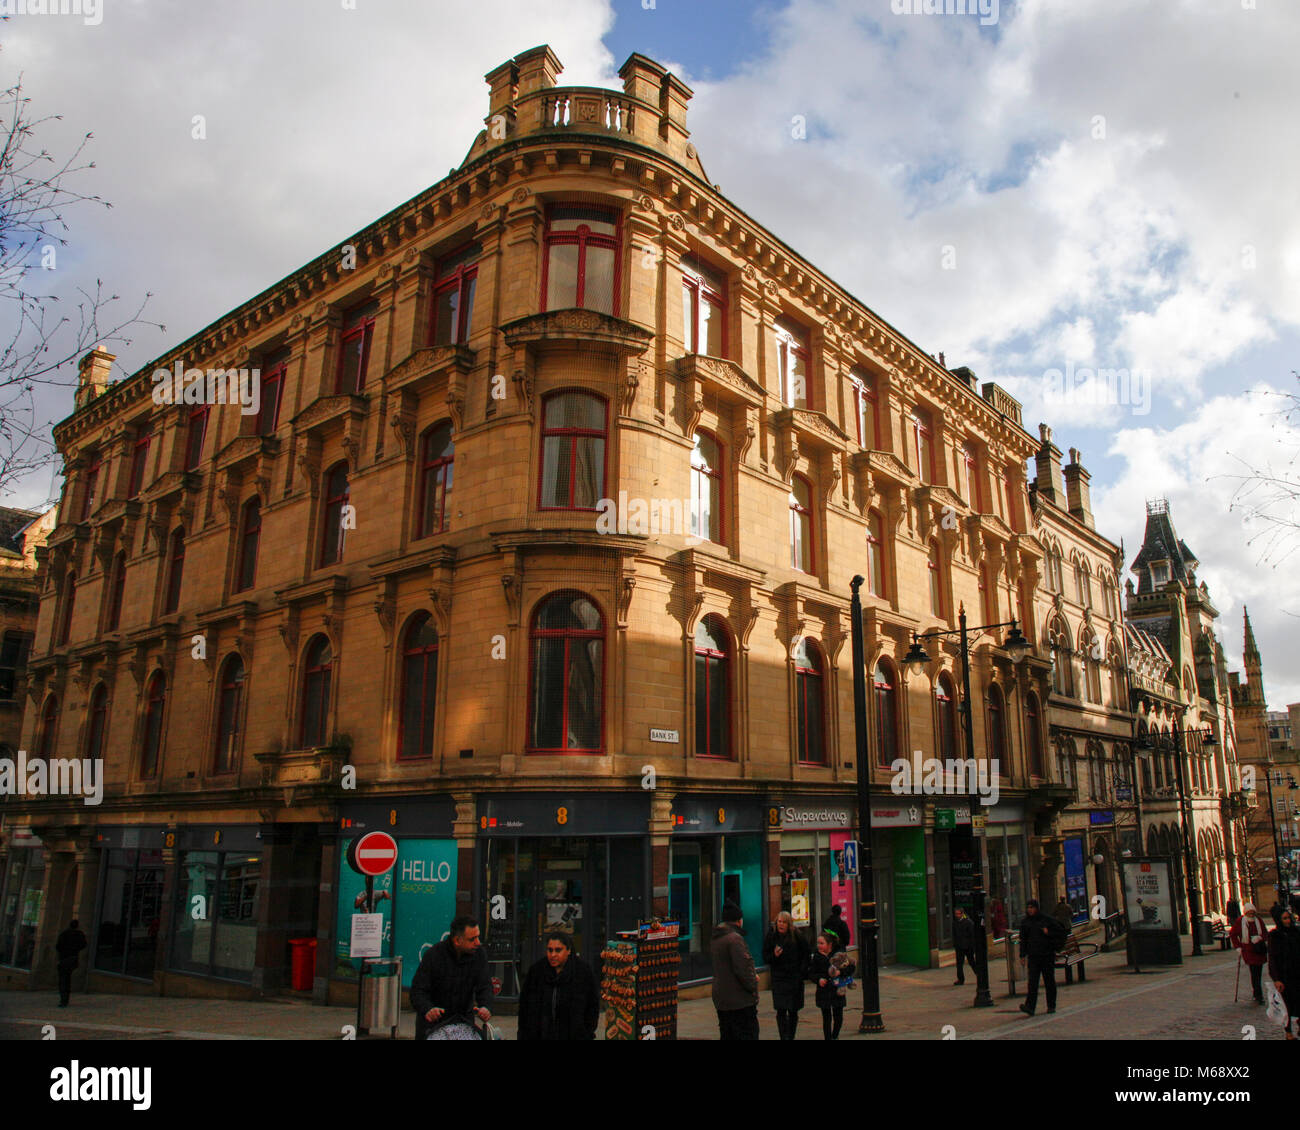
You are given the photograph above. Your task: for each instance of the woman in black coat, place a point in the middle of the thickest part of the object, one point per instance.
(560, 999)
(828, 996)
(1284, 965)
(785, 953)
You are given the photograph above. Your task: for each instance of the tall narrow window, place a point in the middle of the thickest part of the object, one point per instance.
(250, 535)
(49, 726)
(712, 690)
(354, 356)
(923, 446)
(1092, 668)
(997, 728)
(792, 364)
(875, 553)
(884, 687)
(116, 590)
(945, 701)
(317, 675)
(14, 650)
(706, 488)
(581, 264)
(1011, 496)
(437, 456)
(69, 608)
(809, 706)
(271, 392)
(97, 723)
(453, 296)
(155, 703)
(566, 703)
(704, 310)
(419, 688)
(1033, 730)
(139, 462)
(987, 596)
(198, 430)
(229, 709)
(864, 410)
(971, 477)
(936, 580)
(336, 511)
(176, 569)
(91, 487)
(573, 452)
(801, 548)
(1062, 659)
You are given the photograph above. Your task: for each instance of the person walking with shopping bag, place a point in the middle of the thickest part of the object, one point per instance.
(1250, 937)
(1284, 965)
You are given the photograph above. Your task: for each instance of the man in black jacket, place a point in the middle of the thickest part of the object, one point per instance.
(69, 946)
(452, 978)
(1040, 936)
(559, 1000)
(963, 940)
(837, 923)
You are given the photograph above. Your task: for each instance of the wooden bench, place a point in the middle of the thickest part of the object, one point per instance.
(1220, 932)
(1074, 954)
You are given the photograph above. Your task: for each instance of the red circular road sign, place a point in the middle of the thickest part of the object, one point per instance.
(373, 854)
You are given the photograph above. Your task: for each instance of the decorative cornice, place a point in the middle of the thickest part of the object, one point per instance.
(592, 329)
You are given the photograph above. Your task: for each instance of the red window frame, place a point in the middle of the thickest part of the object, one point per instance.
(997, 726)
(584, 237)
(97, 723)
(436, 471)
(573, 435)
(358, 325)
(569, 635)
(945, 698)
(151, 745)
(230, 704)
(139, 456)
(875, 554)
(923, 445)
(271, 392)
(427, 658)
(884, 688)
(986, 595)
(709, 476)
(92, 484)
(249, 539)
(49, 728)
(323, 675)
(810, 677)
(865, 409)
(198, 430)
(974, 493)
(1036, 767)
(793, 339)
(456, 272)
(331, 550)
(176, 556)
(117, 587)
(801, 523)
(69, 607)
(716, 665)
(937, 604)
(699, 287)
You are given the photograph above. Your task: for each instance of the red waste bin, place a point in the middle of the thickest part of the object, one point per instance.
(303, 965)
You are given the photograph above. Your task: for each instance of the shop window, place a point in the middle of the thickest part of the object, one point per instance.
(792, 364)
(573, 452)
(567, 668)
(334, 532)
(250, 534)
(97, 723)
(580, 267)
(437, 459)
(419, 688)
(229, 713)
(354, 355)
(155, 704)
(801, 535)
(176, 570)
(875, 553)
(317, 675)
(116, 591)
(22, 888)
(223, 943)
(13, 659)
(885, 687)
(453, 296)
(809, 703)
(198, 429)
(130, 901)
(945, 701)
(712, 689)
(706, 488)
(704, 310)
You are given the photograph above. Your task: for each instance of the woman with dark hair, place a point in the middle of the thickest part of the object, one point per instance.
(831, 970)
(1284, 965)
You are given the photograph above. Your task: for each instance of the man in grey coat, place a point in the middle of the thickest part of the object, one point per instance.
(735, 984)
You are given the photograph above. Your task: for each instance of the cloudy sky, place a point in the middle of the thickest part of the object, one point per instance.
(1074, 185)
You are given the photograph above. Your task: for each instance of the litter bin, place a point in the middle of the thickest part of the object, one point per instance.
(302, 953)
(381, 994)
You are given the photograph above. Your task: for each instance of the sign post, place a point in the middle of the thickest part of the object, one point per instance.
(851, 858)
(370, 855)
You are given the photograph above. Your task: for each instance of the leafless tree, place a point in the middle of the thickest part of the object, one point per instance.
(1268, 493)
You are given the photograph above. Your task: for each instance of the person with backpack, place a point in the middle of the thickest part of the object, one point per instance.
(1041, 939)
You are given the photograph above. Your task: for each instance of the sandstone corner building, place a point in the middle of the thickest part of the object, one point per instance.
(386, 601)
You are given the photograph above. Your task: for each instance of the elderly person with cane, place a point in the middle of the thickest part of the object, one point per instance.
(1249, 935)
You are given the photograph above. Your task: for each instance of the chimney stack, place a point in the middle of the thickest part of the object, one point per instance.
(93, 372)
(1077, 492)
(538, 68)
(1048, 462)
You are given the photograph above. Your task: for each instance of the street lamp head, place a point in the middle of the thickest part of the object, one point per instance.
(1016, 645)
(1208, 740)
(916, 658)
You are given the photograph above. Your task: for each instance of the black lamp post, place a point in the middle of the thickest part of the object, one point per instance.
(1283, 888)
(868, 925)
(1017, 648)
(1189, 869)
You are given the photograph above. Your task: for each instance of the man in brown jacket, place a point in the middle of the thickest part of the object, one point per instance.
(735, 984)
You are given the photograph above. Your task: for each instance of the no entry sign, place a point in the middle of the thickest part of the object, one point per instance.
(373, 854)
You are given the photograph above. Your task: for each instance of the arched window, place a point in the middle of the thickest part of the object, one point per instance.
(250, 535)
(923, 446)
(573, 452)
(581, 263)
(997, 750)
(945, 701)
(936, 580)
(1092, 667)
(1033, 730)
(1085, 586)
(229, 707)
(706, 488)
(317, 676)
(809, 703)
(437, 457)
(712, 689)
(49, 727)
(1062, 668)
(419, 688)
(1065, 761)
(116, 589)
(875, 554)
(155, 702)
(176, 569)
(69, 606)
(568, 671)
(336, 502)
(865, 414)
(97, 723)
(801, 546)
(885, 688)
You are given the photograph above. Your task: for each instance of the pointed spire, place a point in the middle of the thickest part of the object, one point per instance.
(1251, 651)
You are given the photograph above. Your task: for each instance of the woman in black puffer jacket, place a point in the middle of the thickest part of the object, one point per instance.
(789, 969)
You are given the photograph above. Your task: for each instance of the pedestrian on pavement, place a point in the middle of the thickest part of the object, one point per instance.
(998, 918)
(1275, 912)
(1040, 938)
(452, 977)
(837, 923)
(735, 984)
(1064, 914)
(1232, 910)
(1250, 937)
(830, 998)
(963, 940)
(69, 946)
(785, 953)
(1284, 965)
(559, 999)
